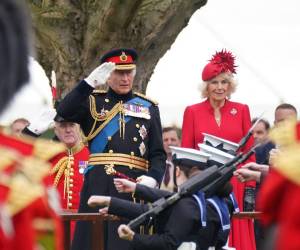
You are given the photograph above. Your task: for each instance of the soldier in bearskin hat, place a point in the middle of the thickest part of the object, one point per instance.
(24, 168)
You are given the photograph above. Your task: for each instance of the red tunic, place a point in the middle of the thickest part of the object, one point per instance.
(69, 186)
(279, 200)
(15, 153)
(235, 123)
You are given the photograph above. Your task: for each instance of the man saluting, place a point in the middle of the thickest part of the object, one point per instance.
(124, 131)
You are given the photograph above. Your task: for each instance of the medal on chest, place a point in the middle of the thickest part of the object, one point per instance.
(82, 166)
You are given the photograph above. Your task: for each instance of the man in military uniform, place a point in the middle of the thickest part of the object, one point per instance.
(124, 131)
(68, 166)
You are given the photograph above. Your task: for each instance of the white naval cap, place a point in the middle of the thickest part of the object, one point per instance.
(216, 155)
(220, 143)
(189, 157)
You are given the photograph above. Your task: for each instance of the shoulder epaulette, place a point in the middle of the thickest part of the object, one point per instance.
(146, 98)
(99, 91)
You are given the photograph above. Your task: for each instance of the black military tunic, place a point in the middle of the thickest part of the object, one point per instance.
(137, 142)
(179, 223)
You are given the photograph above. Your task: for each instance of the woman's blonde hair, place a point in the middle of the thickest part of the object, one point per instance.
(232, 85)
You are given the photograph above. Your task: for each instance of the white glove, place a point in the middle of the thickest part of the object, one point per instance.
(100, 74)
(43, 122)
(147, 181)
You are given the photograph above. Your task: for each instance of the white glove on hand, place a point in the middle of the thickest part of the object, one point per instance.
(43, 122)
(147, 181)
(100, 74)
(99, 200)
(124, 186)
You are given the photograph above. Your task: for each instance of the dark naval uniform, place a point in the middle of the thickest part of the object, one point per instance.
(206, 222)
(123, 131)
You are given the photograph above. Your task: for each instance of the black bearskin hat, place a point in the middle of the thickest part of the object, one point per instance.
(14, 49)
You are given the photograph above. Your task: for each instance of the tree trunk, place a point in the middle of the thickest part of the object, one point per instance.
(71, 35)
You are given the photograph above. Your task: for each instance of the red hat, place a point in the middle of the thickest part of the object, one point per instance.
(123, 58)
(221, 62)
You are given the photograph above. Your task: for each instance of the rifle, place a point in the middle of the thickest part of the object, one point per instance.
(199, 182)
(244, 140)
(226, 172)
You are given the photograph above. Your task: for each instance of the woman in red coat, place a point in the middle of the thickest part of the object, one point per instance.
(218, 116)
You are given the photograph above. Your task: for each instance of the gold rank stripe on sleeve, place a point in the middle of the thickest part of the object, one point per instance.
(119, 159)
(146, 98)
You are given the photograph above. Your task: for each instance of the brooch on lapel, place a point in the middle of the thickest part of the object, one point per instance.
(233, 111)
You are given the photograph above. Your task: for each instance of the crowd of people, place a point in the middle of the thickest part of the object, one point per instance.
(110, 155)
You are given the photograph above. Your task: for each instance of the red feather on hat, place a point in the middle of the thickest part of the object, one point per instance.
(225, 60)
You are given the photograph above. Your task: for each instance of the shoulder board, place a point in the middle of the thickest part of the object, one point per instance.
(99, 92)
(146, 98)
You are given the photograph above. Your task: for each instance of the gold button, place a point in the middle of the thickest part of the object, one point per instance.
(70, 204)
(71, 185)
(134, 139)
(110, 151)
(70, 192)
(71, 180)
(106, 100)
(71, 169)
(132, 153)
(70, 197)
(109, 138)
(71, 174)
(137, 125)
